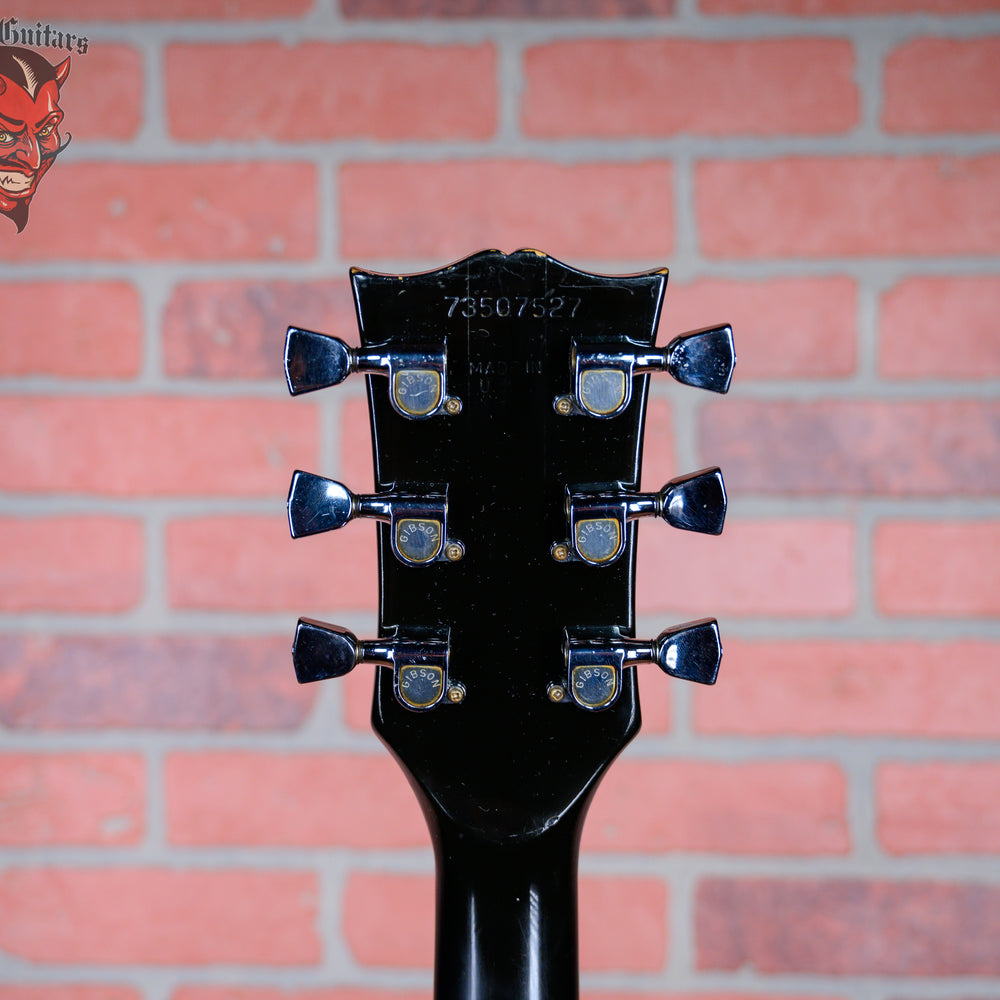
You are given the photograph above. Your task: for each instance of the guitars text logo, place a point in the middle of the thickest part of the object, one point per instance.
(30, 117)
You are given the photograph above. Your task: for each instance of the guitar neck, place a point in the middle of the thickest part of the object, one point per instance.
(507, 915)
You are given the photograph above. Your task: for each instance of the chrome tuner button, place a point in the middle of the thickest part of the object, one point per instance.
(602, 371)
(418, 658)
(597, 514)
(596, 656)
(417, 515)
(417, 375)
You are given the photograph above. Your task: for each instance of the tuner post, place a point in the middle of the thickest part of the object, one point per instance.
(597, 514)
(418, 384)
(417, 515)
(418, 658)
(596, 656)
(602, 371)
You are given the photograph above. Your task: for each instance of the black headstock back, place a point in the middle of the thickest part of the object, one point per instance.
(500, 587)
(507, 757)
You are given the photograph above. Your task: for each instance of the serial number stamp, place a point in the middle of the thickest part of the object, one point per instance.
(513, 306)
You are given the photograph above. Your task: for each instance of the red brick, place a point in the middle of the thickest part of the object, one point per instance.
(837, 8)
(93, 329)
(103, 96)
(931, 568)
(356, 462)
(505, 8)
(791, 567)
(942, 85)
(300, 800)
(784, 327)
(858, 447)
(589, 995)
(159, 916)
(171, 211)
(941, 327)
(266, 993)
(657, 702)
(331, 91)
(71, 798)
(853, 206)
(164, 10)
(444, 211)
(142, 446)
(617, 995)
(250, 563)
(356, 697)
(150, 681)
(236, 329)
(659, 462)
(951, 997)
(753, 807)
(622, 921)
(848, 927)
(822, 687)
(70, 563)
(66, 991)
(934, 807)
(617, 88)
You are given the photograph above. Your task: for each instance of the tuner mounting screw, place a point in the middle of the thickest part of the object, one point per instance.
(556, 692)
(456, 694)
(453, 405)
(560, 552)
(564, 406)
(454, 551)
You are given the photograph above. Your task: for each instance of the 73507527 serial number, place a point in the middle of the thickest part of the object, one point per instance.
(513, 306)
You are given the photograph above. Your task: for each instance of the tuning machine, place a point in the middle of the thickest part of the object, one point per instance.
(595, 658)
(417, 374)
(417, 516)
(603, 371)
(418, 657)
(598, 514)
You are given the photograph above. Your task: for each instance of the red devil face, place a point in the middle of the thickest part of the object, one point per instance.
(29, 139)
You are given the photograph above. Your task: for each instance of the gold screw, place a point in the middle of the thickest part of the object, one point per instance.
(454, 551)
(564, 406)
(556, 693)
(453, 405)
(456, 694)
(560, 553)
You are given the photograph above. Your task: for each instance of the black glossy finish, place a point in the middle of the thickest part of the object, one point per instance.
(505, 774)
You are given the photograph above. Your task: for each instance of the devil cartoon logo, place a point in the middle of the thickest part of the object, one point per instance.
(29, 126)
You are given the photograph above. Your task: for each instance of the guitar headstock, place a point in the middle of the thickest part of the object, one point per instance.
(507, 397)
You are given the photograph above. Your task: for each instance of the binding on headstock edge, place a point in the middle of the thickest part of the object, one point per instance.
(507, 397)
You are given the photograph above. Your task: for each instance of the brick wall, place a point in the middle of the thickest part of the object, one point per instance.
(178, 820)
